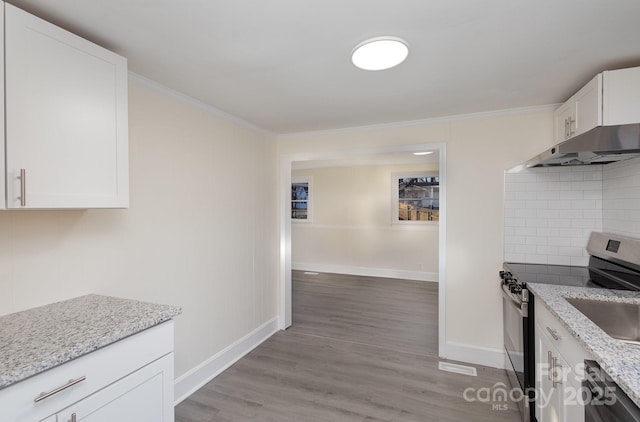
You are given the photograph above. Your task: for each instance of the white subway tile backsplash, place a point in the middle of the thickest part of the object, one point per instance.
(559, 260)
(579, 261)
(546, 213)
(560, 205)
(621, 198)
(536, 259)
(572, 213)
(593, 214)
(584, 204)
(514, 257)
(559, 223)
(523, 196)
(514, 204)
(536, 204)
(547, 250)
(526, 231)
(571, 176)
(560, 241)
(537, 222)
(570, 251)
(590, 185)
(547, 195)
(550, 213)
(592, 194)
(526, 213)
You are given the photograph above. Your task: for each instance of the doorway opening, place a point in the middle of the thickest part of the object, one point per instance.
(355, 276)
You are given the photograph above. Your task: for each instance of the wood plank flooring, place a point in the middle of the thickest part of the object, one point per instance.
(391, 313)
(305, 375)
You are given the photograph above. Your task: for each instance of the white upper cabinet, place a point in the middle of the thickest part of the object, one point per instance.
(611, 98)
(66, 118)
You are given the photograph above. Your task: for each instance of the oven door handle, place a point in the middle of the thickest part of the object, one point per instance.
(522, 306)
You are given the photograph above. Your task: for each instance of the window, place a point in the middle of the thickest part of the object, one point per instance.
(416, 197)
(301, 199)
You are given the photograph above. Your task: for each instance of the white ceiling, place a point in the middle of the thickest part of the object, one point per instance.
(284, 65)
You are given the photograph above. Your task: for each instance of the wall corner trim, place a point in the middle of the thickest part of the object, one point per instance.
(485, 356)
(192, 380)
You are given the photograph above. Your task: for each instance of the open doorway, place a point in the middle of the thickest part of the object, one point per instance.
(365, 234)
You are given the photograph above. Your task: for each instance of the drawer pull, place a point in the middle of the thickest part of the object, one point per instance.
(71, 383)
(554, 333)
(23, 187)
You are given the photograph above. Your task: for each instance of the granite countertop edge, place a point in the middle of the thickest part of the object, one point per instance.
(27, 349)
(620, 360)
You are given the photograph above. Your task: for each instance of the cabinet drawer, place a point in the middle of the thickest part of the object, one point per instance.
(562, 339)
(140, 397)
(100, 368)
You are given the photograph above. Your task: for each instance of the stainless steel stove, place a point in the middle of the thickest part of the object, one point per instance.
(614, 263)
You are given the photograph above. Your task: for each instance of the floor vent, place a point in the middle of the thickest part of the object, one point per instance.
(310, 273)
(458, 369)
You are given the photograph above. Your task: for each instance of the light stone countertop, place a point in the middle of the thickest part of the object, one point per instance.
(38, 339)
(620, 360)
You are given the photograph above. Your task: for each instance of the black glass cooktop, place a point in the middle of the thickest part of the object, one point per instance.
(599, 274)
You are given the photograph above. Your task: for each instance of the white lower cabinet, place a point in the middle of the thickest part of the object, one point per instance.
(130, 380)
(559, 371)
(139, 397)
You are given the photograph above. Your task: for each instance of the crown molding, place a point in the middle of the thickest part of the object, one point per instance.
(425, 122)
(179, 96)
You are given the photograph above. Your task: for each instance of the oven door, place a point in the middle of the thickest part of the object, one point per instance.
(514, 322)
(515, 331)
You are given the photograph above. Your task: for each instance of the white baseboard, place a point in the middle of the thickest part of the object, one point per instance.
(190, 382)
(366, 271)
(473, 354)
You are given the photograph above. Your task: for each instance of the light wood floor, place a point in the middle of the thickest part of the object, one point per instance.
(391, 313)
(315, 372)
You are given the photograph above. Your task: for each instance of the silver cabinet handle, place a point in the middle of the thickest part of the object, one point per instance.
(549, 367)
(571, 122)
(555, 379)
(554, 333)
(566, 129)
(71, 383)
(23, 187)
(73, 417)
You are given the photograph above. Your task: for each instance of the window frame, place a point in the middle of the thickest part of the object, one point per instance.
(395, 196)
(309, 200)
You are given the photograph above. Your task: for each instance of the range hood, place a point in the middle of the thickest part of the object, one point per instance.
(600, 145)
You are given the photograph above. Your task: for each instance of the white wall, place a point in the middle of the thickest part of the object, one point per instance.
(351, 231)
(550, 213)
(621, 198)
(478, 150)
(201, 232)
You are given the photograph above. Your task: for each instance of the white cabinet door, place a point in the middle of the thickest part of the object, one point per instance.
(549, 399)
(621, 96)
(143, 396)
(588, 107)
(563, 116)
(66, 118)
(581, 113)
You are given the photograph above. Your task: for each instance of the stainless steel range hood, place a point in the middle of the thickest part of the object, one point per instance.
(601, 145)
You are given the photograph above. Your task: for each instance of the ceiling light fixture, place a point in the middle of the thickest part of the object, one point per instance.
(380, 53)
(423, 153)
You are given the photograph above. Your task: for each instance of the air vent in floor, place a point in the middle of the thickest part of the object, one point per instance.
(458, 369)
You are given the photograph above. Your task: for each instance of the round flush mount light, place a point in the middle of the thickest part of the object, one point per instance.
(380, 53)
